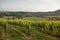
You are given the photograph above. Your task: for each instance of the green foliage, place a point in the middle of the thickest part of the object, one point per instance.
(45, 26)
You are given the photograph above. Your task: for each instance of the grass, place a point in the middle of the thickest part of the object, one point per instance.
(14, 35)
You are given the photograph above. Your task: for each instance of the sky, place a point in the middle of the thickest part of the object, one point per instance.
(29, 5)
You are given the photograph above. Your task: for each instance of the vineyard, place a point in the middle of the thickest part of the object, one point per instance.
(29, 29)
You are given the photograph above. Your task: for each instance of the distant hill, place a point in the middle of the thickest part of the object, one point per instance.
(29, 14)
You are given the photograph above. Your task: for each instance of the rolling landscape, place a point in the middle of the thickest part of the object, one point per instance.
(22, 25)
(29, 19)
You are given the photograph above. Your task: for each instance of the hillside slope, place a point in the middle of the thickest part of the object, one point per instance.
(21, 14)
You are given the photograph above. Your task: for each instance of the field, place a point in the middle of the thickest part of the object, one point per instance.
(26, 29)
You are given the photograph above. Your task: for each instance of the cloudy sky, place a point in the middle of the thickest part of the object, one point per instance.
(29, 5)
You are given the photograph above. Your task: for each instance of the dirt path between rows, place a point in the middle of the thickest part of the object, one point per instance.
(27, 37)
(48, 36)
(4, 34)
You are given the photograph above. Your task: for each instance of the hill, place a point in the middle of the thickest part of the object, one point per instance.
(29, 14)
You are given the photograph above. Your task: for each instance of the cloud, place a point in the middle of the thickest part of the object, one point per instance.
(29, 5)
